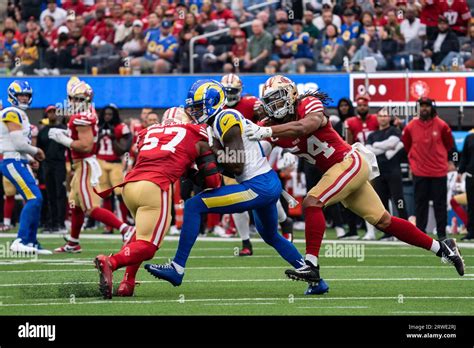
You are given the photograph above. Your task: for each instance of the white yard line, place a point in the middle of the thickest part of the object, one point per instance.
(258, 299)
(335, 307)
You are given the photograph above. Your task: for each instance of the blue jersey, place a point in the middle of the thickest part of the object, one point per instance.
(285, 51)
(303, 50)
(157, 43)
(350, 32)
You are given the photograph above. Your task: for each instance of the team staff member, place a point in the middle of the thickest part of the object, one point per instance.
(386, 144)
(428, 141)
(467, 166)
(359, 127)
(54, 167)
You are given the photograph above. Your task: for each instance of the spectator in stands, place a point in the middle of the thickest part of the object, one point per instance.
(428, 142)
(326, 18)
(369, 45)
(30, 8)
(28, 54)
(264, 16)
(411, 27)
(442, 50)
(134, 45)
(367, 19)
(160, 54)
(355, 9)
(9, 48)
(153, 24)
(467, 48)
(331, 50)
(191, 29)
(303, 59)
(54, 167)
(124, 29)
(393, 27)
(458, 14)
(282, 47)
(49, 32)
(309, 27)
(73, 55)
(390, 48)
(221, 14)
(141, 14)
(10, 23)
(380, 20)
(74, 6)
(259, 48)
(116, 14)
(429, 16)
(351, 28)
(95, 24)
(56, 12)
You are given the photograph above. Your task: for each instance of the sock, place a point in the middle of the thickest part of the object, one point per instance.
(133, 253)
(459, 211)
(106, 217)
(315, 224)
(435, 247)
(242, 221)
(77, 220)
(408, 233)
(311, 258)
(123, 209)
(107, 204)
(131, 273)
(246, 244)
(8, 207)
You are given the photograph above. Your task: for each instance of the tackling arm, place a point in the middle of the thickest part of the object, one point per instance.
(207, 165)
(305, 126)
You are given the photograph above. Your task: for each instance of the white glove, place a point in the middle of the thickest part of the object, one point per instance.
(287, 160)
(60, 136)
(254, 132)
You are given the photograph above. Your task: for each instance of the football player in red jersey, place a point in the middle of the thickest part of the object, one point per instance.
(359, 127)
(81, 137)
(298, 122)
(165, 152)
(115, 139)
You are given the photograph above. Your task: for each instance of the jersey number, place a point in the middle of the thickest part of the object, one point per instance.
(150, 142)
(106, 146)
(315, 147)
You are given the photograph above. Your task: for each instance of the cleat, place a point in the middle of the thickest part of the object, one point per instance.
(369, 236)
(5, 228)
(468, 237)
(126, 288)
(317, 288)
(449, 253)
(351, 236)
(108, 230)
(68, 248)
(166, 272)
(19, 247)
(39, 249)
(127, 234)
(308, 273)
(246, 252)
(102, 263)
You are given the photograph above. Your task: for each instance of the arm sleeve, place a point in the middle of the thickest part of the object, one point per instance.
(388, 144)
(21, 143)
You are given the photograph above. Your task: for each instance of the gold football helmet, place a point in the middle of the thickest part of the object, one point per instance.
(233, 87)
(279, 96)
(175, 115)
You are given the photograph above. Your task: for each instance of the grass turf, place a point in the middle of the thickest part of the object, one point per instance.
(384, 280)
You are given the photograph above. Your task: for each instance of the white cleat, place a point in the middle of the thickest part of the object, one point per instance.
(340, 232)
(18, 247)
(369, 236)
(174, 231)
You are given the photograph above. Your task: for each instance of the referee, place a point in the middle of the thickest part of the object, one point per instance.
(466, 165)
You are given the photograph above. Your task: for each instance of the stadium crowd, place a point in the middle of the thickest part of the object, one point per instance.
(150, 36)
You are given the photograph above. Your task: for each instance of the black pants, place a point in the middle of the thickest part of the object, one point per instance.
(55, 180)
(470, 204)
(434, 189)
(390, 187)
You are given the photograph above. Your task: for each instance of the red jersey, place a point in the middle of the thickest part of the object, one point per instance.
(324, 147)
(165, 153)
(106, 151)
(457, 13)
(361, 129)
(83, 119)
(247, 106)
(430, 12)
(427, 144)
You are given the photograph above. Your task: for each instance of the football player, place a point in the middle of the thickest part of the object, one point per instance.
(115, 139)
(165, 152)
(298, 122)
(258, 187)
(18, 153)
(251, 108)
(82, 138)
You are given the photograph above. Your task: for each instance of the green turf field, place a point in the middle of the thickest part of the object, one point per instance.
(375, 279)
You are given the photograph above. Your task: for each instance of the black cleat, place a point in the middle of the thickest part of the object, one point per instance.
(449, 253)
(468, 237)
(308, 273)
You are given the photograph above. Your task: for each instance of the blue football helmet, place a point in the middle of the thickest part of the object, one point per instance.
(206, 98)
(17, 88)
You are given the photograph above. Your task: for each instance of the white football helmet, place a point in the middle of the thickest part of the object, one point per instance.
(233, 87)
(279, 96)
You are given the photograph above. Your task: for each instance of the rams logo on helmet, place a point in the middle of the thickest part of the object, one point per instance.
(17, 88)
(205, 99)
